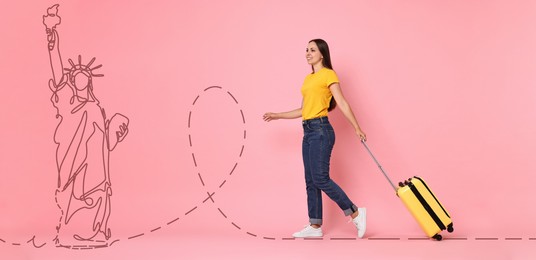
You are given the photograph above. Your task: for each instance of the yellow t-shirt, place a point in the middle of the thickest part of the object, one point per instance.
(316, 93)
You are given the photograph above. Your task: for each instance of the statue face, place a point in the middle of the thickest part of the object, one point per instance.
(81, 81)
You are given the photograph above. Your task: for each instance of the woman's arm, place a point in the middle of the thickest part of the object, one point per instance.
(336, 91)
(283, 115)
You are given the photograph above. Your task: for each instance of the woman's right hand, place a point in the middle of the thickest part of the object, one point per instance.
(269, 116)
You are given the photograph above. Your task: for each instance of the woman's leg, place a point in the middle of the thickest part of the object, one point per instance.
(319, 163)
(314, 197)
(314, 194)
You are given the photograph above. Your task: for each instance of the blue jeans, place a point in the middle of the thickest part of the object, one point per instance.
(318, 141)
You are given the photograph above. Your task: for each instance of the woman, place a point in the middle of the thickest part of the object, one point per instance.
(321, 91)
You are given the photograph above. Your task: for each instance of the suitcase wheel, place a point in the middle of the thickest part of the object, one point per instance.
(437, 237)
(450, 228)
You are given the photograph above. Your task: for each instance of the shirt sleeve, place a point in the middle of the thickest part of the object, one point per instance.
(331, 78)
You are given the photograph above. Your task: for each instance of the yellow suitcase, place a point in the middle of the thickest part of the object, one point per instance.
(425, 208)
(421, 203)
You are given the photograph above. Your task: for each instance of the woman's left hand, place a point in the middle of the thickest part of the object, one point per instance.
(361, 134)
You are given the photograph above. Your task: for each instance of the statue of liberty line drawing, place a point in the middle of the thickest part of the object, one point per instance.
(85, 137)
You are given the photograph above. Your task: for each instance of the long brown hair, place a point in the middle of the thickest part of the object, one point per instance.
(326, 62)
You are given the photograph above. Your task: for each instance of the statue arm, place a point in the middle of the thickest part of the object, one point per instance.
(51, 20)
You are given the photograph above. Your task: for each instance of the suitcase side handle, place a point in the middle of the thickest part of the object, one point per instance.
(379, 165)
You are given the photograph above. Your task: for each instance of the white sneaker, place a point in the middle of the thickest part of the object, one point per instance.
(361, 222)
(309, 231)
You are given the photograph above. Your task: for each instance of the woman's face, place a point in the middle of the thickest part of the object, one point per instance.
(312, 54)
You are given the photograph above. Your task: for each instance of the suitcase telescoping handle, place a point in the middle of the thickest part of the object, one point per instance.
(379, 165)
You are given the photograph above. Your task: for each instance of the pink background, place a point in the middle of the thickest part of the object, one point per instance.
(443, 89)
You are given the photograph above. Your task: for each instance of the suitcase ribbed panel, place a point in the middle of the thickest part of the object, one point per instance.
(418, 212)
(432, 200)
(426, 186)
(427, 207)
